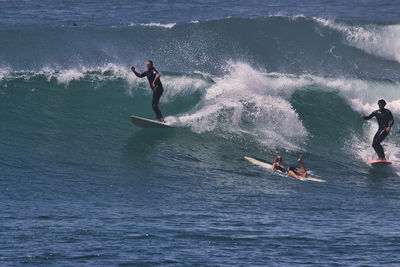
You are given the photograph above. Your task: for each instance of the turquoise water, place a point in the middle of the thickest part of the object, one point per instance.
(82, 186)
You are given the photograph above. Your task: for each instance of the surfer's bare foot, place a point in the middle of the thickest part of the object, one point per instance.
(300, 160)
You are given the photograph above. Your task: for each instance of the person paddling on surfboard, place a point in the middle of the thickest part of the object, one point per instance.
(155, 84)
(385, 122)
(292, 171)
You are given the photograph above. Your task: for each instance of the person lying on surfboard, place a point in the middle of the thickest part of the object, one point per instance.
(385, 122)
(155, 84)
(292, 171)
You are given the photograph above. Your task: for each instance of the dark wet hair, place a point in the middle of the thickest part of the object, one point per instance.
(382, 102)
(150, 61)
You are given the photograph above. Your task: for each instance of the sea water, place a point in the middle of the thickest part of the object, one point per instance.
(81, 185)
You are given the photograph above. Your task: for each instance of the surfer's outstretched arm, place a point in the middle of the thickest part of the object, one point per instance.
(300, 160)
(276, 163)
(139, 75)
(390, 121)
(302, 172)
(274, 166)
(370, 116)
(155, 79)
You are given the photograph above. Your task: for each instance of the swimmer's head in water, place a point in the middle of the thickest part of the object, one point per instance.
(381, 103)
(149, 64)
(278, 159)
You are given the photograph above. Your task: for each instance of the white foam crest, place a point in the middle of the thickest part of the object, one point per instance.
(66, 76)
(47, 72)
(394, 106)
(285, 15)
(181, 86)
(155, 24)
(381, 41)
(4, 73)
(107, 72)
(362, 95)
(175, 85)
(250, 102)
(95, 74)
(9, 73)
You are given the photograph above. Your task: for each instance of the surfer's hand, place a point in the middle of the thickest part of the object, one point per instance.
(133, 68)
(362, 116)
(154, 85)
(388, 129)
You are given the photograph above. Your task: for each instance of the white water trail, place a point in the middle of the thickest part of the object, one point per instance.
(249, 102)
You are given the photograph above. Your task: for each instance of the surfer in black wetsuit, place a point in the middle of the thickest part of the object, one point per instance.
(155, 83)
(385, 122)
(292, 171)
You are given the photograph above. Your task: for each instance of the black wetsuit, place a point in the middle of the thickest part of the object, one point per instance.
(157, 90)
(285, 168)
(385, 119)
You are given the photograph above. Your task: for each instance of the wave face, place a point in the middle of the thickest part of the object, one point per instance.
(239, 79)
(275, 111)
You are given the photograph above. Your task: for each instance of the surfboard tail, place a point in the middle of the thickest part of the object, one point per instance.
(147, 123)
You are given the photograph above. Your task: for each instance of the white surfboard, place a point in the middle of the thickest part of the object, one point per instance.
(269, 167)
(147, 123)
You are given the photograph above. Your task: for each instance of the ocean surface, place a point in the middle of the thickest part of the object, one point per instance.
(82, 186)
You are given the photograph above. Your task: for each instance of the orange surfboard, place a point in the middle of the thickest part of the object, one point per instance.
(379, 161)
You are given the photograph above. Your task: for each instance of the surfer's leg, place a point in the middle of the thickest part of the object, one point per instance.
(293, 174)
(380, 135)
(156, 99)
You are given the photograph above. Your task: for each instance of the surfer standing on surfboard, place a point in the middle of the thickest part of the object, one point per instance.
(292, 171)
(155, 83)
(385, 122)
